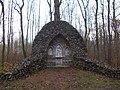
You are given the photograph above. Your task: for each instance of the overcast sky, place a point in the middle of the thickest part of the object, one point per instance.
(16, 24)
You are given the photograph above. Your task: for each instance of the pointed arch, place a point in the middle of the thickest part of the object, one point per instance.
(58, 36)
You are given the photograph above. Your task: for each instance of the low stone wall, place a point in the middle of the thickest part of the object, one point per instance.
(85, 64)
(33, 64)
(24, 68)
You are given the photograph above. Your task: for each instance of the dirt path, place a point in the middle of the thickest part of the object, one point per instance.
(59, 79)
(55, 77)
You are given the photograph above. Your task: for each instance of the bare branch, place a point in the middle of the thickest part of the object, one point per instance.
(49, 3)
(87, 3)
(16, 6)
(22, 5)
(117, 15)
(50, 11)
(81, 9)
(17, 10)
(60, 2)
(28, 16)
(83, 3)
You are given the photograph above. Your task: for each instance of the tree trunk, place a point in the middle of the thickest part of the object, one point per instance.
(33, 17)
(8, 33)
(96, 24)
(21, 25)
(29, 10)
(57, 10)
(103, 28)
(3, 48)
(11, 27)
(50, 6)
(109, 32)
(84, 15)
(85, 21)
(116, 37)
(39, 17)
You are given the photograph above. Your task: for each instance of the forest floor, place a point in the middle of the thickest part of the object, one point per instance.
(62, 79)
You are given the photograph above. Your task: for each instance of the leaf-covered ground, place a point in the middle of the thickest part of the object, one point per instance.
(62, 79)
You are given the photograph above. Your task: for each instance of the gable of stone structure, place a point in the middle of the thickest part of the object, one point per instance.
(51, 30)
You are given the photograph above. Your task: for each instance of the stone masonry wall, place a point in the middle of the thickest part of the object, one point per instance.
(51, 30)
(87, 64)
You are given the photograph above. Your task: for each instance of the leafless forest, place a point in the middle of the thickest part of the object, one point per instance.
(98, 22)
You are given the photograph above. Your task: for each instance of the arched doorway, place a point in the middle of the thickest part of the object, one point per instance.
(59, 52)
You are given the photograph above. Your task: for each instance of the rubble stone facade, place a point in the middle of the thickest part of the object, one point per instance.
(63, 35)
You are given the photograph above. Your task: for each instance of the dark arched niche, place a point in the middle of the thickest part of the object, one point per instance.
(62, 53)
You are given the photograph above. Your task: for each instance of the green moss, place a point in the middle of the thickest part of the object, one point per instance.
(1, 71)
(7, 66)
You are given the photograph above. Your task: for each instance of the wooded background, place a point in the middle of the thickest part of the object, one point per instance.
(98, 22)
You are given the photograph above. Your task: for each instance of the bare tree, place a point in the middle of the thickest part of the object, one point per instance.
(10, 29)
(3, 38)
(11, 26)
(116, 33)
(8, 34)
(21, 24)
(110, 36)
(33, 24)
(103, 28)
(50, 6)
(96, 24)
(57, 11)
(84, 15)
(70, 10)
(39, 16)
(29, 10)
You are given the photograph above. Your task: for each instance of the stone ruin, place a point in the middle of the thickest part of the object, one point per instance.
(58, 44)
